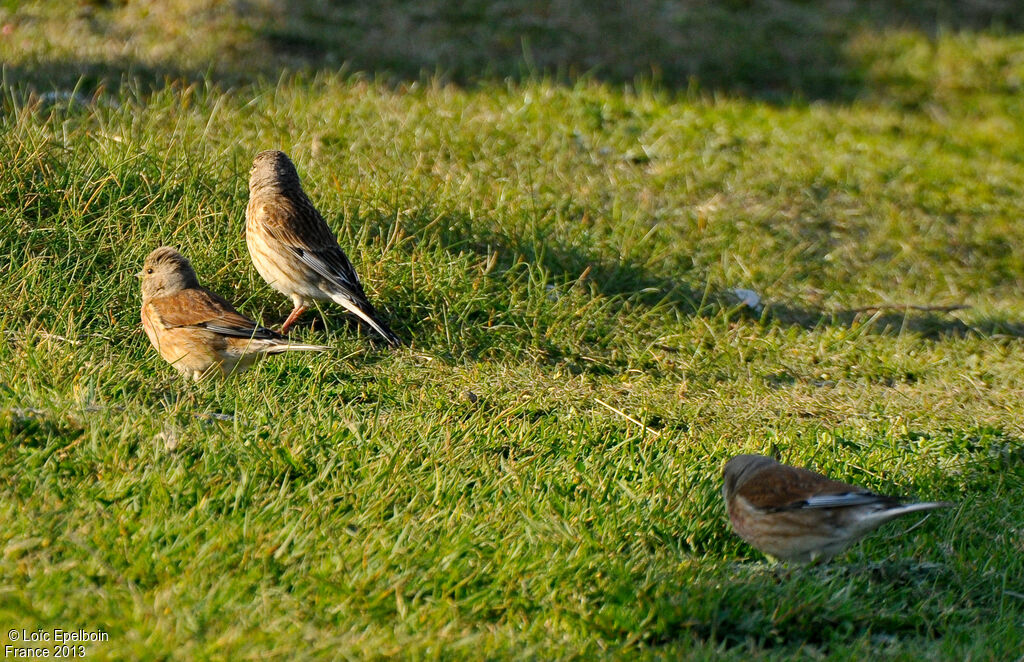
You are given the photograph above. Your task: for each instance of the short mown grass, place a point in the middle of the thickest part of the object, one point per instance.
(537, 473)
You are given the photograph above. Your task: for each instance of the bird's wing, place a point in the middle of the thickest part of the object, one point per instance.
(331, 264)
(297, 225)
(200, 308)
(781, 487)
(862, 498)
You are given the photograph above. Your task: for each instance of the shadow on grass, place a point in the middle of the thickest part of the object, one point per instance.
(564, 261)
(768, 49)
(490, 263)
(778, 608)
(565, 265)
(788, 609)
(934, 325)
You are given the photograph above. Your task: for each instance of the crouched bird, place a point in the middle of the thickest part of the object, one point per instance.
(293, 248)
(798, 515)
(195, 330)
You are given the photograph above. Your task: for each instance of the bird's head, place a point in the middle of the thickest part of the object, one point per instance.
(273, 169)
(739, 469)
(165, 272)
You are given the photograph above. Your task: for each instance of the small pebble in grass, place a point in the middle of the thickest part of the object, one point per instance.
(168, 438)
(748, 298)
(469, 396)
(797, 515)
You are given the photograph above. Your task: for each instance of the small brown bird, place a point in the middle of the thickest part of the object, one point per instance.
(294, 249)
(195, 330)
(797, 515)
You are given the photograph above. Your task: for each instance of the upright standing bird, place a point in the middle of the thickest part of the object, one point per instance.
(195, 330)
(797, 515)
(294, 249)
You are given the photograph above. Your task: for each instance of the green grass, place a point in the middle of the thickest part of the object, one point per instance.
(560, 250)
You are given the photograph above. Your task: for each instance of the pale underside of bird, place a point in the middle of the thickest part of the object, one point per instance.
(798, 515)
(294, 249)
(197, 331)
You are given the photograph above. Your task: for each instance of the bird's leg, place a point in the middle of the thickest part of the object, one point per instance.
(291, 318)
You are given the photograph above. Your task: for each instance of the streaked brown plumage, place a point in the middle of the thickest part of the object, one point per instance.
(797, 515)
(195, 330)
(293, 248)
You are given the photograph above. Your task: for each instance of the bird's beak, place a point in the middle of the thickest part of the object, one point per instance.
(139, 275)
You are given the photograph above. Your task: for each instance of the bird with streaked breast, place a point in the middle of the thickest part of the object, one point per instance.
(294, 249)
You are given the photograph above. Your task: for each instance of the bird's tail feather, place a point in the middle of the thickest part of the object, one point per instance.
(882, 516)
(370, 317)
(281, 346)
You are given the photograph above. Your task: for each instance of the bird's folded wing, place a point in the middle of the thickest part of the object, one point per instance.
(203, 309)
(781, 487)
(325, 258)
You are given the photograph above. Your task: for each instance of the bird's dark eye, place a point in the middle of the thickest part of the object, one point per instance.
(149, 271)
